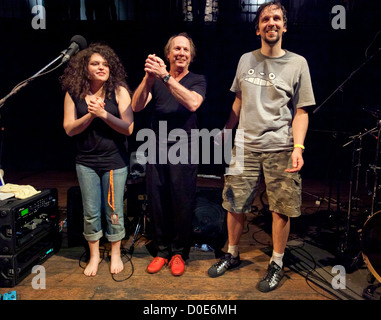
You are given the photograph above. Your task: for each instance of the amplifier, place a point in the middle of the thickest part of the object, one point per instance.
(25, 222)
(14, 268)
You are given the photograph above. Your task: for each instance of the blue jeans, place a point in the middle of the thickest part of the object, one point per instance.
(95, 190)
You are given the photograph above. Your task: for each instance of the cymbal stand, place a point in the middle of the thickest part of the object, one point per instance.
(341, 86)
(355, 170)
(354, 180)
(375, 168)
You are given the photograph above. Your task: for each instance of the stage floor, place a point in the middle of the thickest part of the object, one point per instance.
(312, 252)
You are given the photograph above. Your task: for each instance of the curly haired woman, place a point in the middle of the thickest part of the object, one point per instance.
(98, 115)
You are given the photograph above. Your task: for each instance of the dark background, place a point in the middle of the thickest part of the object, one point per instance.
(33, 138)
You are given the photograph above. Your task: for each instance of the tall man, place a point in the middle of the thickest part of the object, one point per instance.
(273, 89)
(171, 187)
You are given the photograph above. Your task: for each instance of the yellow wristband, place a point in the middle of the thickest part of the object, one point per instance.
(299, 146)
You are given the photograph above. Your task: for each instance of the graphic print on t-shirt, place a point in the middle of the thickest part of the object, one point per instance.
(260, 78)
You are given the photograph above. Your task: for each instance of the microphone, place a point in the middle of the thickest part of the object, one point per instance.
(77, 43)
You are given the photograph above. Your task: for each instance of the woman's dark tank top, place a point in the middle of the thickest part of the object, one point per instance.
(99, 146)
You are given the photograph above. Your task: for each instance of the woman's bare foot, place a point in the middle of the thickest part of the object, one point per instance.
(117, 265)
(116, 261)
(92, 267)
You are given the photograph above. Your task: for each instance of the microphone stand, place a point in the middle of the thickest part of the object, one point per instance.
(22, 85)
(26, 82)
(340, 87)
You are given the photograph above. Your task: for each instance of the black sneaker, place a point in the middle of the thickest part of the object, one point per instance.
(226, 263)
(272, 278)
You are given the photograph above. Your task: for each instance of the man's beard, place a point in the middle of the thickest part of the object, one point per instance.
(272, 41)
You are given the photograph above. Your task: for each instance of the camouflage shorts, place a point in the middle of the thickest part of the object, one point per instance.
(283, 189)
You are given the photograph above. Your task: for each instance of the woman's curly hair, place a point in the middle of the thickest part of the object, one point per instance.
(76, 80)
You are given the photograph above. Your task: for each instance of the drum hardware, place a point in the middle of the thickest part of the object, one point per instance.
(374, 113)
(375, 167)
(370, 233)
(370, 238)
(370, 241)
(340, 88)
(348, 247)
(355, 169)
(356, 165)
(353, 197)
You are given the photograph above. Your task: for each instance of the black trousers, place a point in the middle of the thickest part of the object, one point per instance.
(171, 189)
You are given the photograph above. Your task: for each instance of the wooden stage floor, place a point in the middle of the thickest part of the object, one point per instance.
(309, 259)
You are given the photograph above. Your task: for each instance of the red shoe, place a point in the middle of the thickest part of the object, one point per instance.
(177, 265)
(156, 264)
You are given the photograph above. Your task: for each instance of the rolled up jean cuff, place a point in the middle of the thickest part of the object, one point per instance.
(94, 236)
(116, 237)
